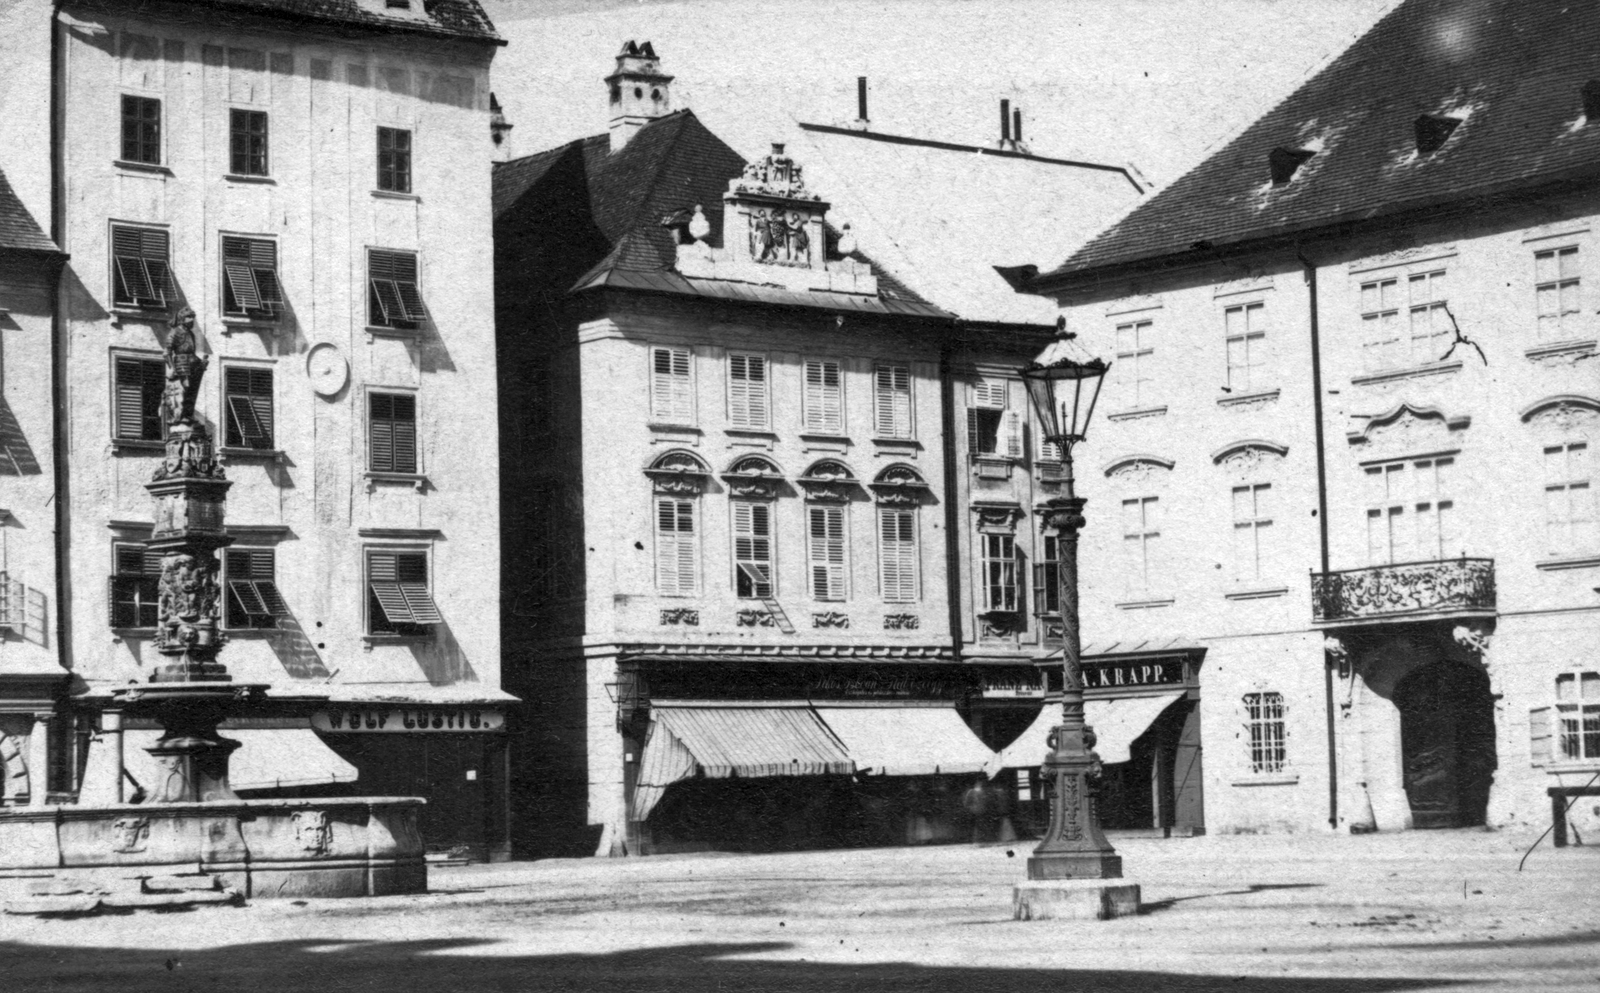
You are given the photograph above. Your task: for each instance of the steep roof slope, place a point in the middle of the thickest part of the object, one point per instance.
(18, 230)
(450, 18)
(1509, 72)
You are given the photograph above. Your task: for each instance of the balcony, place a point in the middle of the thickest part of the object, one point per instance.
(1408, 591)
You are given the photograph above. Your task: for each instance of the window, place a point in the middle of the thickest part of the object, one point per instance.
(398, 600)
(141, 130)
(1246, 330)
(1556, 287)
(999, 564)
(140, 276)
(392, 432)
(1410, 516)
(248, 142)
(892, 401)
(1422, 339)
(247, 402)
(1569, 511)
(823, 401)
(826, 550)
(1141, 537)
(897, 555)
(671, 388)
(677, 552)
(250, 278)
(252, 600)
(747, 391)
(1265, 732)
(1047, 576)
(136, 414)
(752, 550)
(1135, 358)
(135, 586)
(393, 300)
(1578, 714)
(991, 428)
(394, 160)
(1252, 524)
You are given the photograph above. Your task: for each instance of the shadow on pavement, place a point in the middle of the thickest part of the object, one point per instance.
(440, 965)
(1547, 941)
(1154, 906)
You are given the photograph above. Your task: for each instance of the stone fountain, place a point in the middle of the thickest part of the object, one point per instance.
(194, 835)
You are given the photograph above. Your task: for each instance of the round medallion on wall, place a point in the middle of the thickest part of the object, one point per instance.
(327, 369)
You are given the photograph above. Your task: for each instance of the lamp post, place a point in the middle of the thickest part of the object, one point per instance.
(1063, 384)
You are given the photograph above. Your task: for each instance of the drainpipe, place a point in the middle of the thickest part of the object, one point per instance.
(58, 362)
(952, 513)
(1322, 527)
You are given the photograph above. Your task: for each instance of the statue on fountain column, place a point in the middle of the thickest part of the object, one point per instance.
(185, 368)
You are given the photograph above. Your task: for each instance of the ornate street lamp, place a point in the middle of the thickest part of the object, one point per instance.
(1064, 383)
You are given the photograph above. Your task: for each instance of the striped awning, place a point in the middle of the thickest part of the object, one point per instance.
(908, 741)
(1116, 724)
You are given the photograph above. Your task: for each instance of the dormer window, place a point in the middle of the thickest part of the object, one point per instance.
(1591, 99)
(1285, 161)
(1433, 130)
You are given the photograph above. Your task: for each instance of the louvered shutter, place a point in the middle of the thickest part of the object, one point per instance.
(249, 392)
(671, 398)
(974, 432)
(823, 402)
(411, 574)
(139, 385)
(1539, 734)
(140, 259)
(893, 401)
(393, 279)
(826, 550)
(382, 579)
(405, 433)
(1011, 434)
(392, 432)
(675, 547)
(747, 391)
(238, 268)
(1039, 606)
(897, 556)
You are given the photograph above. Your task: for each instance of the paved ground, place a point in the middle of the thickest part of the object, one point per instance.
(1426, 910)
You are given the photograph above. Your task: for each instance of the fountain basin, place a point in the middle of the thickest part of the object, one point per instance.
(313, 847)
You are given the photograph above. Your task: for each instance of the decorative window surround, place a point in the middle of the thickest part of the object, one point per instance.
(261, 533)
(1152, 604)
(1405, 419)
(149, 167)
(678, 473)
(829, 481)
(675, 434)
(896, 448)
(837, 444)
(1415, 372)
(403, 534)
(232, 453)
(1138, 413)
(1416, 255)
(416, 480)
(250, 180)
(1554, 565)
(753, 477)
(1562, 350)
(756, 438)
(393, 195)
(1257, 593)
(899, 484)
(1246, 400)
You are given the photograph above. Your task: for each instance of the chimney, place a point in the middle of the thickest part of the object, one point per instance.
(862, 121)
(1005, 123)
(640, 92)
(499, 129)
(1016, 126)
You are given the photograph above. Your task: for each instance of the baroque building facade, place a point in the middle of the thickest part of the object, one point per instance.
(299, 182)
(1347, 427)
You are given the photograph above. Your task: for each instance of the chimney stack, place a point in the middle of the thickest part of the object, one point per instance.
(499, 129)
(1005, 123)
(862, 121)
(639, 92)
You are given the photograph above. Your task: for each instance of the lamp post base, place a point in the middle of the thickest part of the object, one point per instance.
(1074, 900)
(1087, 866)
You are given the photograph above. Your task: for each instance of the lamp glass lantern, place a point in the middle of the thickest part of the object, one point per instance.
(1064, 384)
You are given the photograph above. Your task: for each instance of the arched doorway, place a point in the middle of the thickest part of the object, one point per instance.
(1447, 744)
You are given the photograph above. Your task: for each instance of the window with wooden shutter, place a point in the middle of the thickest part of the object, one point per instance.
(1011, 434)
(139, 384)
(892, 401)
(253, 599)
(1577, 717)
(398, 597)
(752, 550)
(393, 299)
(999, 568)
(823, 401)
(141, 130)
(897, 555)
(247, 142)
(247, 399)
(392, 432)
(677, 550)
(747, 391)
(140, 273)
(134, 586)
(250, 278)
(1539, 751)
(671, 386)
(826, 551)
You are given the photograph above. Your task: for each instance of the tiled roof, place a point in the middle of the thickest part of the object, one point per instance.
(18, 230)
(670, 166)
(1510, 71)
(451, 18)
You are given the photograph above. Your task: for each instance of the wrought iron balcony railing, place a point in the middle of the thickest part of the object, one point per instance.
(1446, 587)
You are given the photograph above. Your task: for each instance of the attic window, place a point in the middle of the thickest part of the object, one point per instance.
(1284, 162)
(1591, 99)
(1432, 132)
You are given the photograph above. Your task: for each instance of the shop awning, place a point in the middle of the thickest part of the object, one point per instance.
(267, 758)
(1116, 724)
(908, 741)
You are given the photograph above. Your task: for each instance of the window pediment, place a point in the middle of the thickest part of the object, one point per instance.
(1409, 428)
(678, 471)
(829, 480)
(899, 484)
(1137, 468)
(1250, 457)
(753, 476)
(1566, 412)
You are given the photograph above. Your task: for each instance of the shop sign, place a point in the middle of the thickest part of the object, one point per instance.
(1145, 673)
(905, 687)
(407, 719)
(1012, 687)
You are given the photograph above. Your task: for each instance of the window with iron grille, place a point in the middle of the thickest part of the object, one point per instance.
(752, 550)
(394, 160)
(1578, 716)
(393, 300)
(1047, 576)
(140, 272)
(999, 568)
(892, 401)
(247, 407)
(1265, 732)
(826, 550)
(399, 600)
(138, 385)
(1245, 328)
(1556, 280)
(677, 550)
(250, 285)
(747, 391)
(141, 130)
(253, 600)
(823, 400)
(247, 142)
(671, 386)
(135, 585)
(897, 555)
(391, 432)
